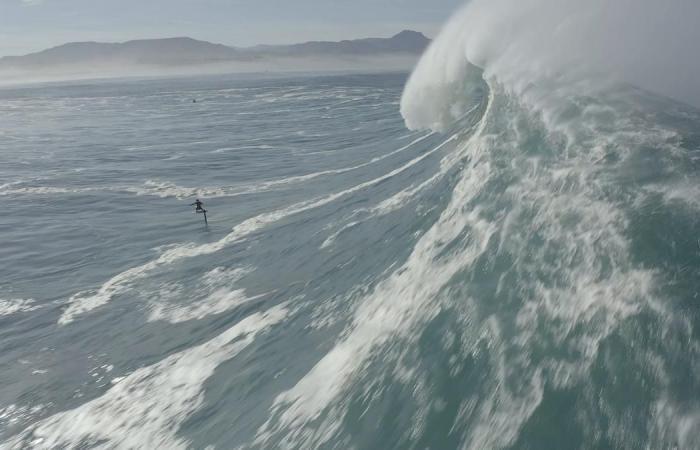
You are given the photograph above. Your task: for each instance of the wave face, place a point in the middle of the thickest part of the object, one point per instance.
(573, 316)
(577, 322)
(525, 274)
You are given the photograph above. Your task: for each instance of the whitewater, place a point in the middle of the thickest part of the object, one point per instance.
(500, 250)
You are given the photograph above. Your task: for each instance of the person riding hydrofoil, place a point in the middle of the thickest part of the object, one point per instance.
(199, 205)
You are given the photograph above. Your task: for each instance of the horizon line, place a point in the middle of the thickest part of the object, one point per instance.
(209, 42)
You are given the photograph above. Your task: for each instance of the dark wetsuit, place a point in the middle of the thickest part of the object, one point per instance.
(199, 205)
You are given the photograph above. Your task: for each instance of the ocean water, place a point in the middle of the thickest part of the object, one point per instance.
(525, 277)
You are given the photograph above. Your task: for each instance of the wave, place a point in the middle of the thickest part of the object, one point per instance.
(534, 255)
(526, 45)
(550, 287)
(585, 295)
(396, 304)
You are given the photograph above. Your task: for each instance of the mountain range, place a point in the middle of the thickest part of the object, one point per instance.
(185, 52)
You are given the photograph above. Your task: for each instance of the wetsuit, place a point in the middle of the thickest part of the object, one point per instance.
(199, 206)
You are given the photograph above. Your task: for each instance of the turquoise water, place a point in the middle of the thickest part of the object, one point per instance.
(516, 280)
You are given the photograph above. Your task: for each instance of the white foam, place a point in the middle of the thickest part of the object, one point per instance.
(243, 147)
(672, 422)
(217, 302)
(580, 279)
(220, 297)
(146, 408)
(165, 189)
(14, 415)
(685, 192)
(14, 306)
(7, 190)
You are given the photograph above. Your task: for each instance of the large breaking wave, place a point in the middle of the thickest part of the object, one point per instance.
(548, 302)
(574, 157)
(530, 43)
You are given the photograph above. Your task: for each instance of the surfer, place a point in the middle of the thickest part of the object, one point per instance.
(200, 209)
(199, 205)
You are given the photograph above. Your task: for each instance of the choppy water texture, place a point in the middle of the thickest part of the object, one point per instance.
(525, 278)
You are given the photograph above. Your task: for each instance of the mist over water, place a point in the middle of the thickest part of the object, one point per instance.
(522, 271)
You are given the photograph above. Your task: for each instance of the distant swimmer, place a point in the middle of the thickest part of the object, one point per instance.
(194, 100)
(200, 209)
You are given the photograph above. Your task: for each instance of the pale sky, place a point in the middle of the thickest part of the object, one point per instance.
(32, 25)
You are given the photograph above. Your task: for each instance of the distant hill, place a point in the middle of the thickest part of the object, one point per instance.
(184, 51)
(404, 42)
(151, 51)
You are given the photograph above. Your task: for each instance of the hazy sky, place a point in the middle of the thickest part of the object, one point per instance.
(30, 25)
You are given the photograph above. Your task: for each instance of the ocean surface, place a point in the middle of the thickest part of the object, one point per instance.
(525, 277)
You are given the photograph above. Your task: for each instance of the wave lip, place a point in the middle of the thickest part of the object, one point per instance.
(521, 43)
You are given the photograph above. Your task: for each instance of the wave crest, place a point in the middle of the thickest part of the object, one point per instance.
(527, 42)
